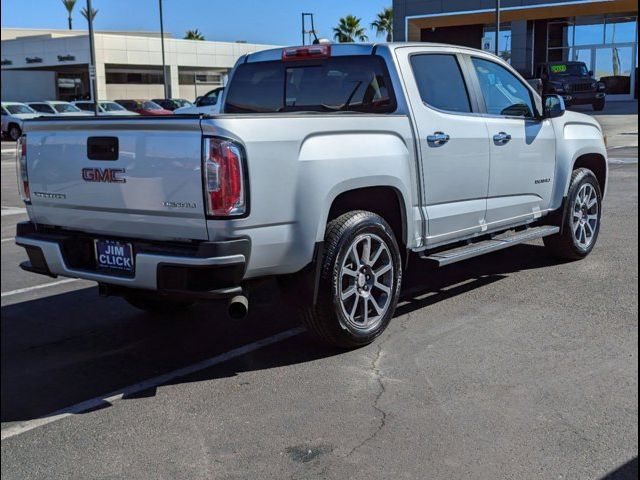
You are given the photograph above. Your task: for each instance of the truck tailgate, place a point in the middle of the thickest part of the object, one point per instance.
(151, 187)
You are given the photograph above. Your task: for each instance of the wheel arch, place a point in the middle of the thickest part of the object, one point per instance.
(384, 200)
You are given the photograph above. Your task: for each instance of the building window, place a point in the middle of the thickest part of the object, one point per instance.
(134, 76)
(504, 41)
(204, 78)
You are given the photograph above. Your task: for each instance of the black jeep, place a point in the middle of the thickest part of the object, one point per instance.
(574, 82)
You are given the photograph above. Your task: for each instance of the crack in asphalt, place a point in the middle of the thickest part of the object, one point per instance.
(382, 389)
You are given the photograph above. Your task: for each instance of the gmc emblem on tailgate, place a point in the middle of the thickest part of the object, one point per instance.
(106, 175)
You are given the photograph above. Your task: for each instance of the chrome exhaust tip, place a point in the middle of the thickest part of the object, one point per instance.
(238, 307)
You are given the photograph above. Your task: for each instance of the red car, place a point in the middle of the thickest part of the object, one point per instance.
(144, 107)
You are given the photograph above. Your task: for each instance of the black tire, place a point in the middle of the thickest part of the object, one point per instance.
(157, 305)
(327, 319)
(565, 245)
(598, 105)
(14, 132)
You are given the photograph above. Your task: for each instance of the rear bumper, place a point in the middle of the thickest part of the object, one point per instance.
(206, 270)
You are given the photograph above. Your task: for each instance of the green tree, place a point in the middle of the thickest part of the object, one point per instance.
(349, 30)
(85, 13)
(193, 35)
(69, 4)
(383, 25)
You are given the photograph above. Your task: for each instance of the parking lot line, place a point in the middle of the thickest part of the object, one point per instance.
(7, 239)
(5, 211)
(37, 287)
(113, 397)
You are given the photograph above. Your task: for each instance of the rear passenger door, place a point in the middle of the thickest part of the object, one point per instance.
(452, 139)
(523, 146)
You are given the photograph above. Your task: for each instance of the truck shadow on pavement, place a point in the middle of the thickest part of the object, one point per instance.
(64, 349)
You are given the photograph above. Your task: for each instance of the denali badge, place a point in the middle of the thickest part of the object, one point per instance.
(51, 196)
(179, 204)
(542, 180)
(108, 175)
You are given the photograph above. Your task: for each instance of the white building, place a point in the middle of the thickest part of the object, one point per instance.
(54, 64)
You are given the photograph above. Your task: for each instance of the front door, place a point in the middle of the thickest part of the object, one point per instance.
(453, 143)
(523, 147)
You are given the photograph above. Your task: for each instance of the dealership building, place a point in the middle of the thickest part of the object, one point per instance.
(54, 64)
(601, 33)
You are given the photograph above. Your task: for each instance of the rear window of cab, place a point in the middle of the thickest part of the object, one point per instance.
(356, 83)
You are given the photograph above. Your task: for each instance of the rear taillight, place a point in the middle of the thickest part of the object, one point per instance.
(310, 52)
(223, 177)
(21, 165)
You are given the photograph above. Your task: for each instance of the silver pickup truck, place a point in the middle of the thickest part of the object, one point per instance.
(328, 167)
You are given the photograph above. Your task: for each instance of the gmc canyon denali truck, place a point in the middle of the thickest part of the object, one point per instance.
(329, 166)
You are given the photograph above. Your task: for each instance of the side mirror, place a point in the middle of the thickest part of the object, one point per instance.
(553, 106)
(591, 73)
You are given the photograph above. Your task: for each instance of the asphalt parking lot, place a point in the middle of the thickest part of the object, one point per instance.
(512, 366)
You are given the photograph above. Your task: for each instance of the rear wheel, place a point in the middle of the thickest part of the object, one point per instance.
(14, 132)
(581, 220)
(598, 105)
(156, 304)
(360, 281)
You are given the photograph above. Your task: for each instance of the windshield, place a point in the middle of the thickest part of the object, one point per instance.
(150, 106)
(180, 102)
(111, 107)
(350, 83)
(65, 108)
(87, 106)
(568, 70)
(19, 109)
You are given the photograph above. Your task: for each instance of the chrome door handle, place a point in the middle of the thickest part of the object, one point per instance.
(502, 138)
(438, 138)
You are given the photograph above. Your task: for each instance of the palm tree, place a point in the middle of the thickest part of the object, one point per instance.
(69, 4)
(85, 13)
(384, 23)
(193, 35)
(349, 30)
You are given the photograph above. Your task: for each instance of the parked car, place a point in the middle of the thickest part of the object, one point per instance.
(144, 107)
(105, 107)
(56, 107)
(13, 113)
(334, 164)
(574, 82)
(172, 103)
(208, 103)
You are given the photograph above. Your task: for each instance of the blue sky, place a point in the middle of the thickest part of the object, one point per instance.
(259, 21)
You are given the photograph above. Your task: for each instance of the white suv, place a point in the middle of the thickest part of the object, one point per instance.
(57, 108)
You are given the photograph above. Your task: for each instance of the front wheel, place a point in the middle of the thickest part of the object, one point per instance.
(360, 280)
(598, 105)
(581, 219)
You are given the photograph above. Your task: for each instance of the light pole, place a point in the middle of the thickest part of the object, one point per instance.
(164, 68)
(92, 60)
(497, 27)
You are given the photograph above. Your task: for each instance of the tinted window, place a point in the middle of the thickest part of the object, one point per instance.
(4, 112)
(210, 98)
(86, 106)
(111, 107)
(15, 109)
(65, 108)
(503, 93)
(353, 83)
(440, 82)
(128, 104)
(150, 106)
(42, 107)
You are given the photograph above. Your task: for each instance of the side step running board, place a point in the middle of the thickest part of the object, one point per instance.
(507, 240)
